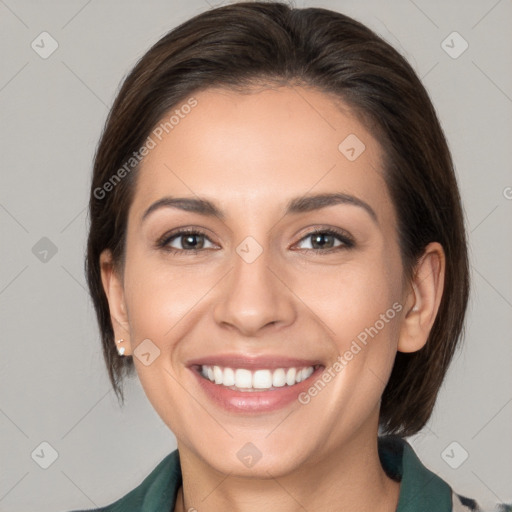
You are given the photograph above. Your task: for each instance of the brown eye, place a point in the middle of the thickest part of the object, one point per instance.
(184, 241)
(328, 240)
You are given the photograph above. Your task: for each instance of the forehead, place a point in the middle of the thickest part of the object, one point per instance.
(261, 148)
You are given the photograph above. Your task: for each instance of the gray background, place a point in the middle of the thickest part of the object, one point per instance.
(54, 386)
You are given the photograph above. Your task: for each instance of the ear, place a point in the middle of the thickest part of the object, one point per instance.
(114, 290)
(423, 299)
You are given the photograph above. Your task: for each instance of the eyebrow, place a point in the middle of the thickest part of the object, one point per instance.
(294, 206)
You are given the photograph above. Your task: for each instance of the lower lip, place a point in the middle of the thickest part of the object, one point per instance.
(253, 401)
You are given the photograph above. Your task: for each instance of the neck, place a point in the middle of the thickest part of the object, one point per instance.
(349, 478)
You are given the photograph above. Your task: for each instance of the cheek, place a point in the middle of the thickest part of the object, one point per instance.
(158, 298)
(158, 302)
(351, 298)
(361, 306)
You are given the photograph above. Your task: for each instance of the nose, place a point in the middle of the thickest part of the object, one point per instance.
(254, 297)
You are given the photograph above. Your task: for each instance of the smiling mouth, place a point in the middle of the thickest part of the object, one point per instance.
(242, 379)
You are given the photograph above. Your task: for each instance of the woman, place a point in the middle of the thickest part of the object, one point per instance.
(277, 248)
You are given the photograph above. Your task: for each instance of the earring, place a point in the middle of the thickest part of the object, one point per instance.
(415, 308)
(120, 350)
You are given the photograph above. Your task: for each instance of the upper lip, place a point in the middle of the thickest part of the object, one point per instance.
(263, 362)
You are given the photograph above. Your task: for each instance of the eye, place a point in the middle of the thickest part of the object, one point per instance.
(324, 240)
(190, 240)
(193, 241)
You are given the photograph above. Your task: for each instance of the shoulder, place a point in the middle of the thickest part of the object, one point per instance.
(421, 488)
(157, 491)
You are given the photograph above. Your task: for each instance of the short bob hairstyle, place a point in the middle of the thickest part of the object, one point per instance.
(241, 45)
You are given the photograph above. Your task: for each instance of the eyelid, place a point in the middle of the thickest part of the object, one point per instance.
(342, 235)
(176, 233)
(346, 239)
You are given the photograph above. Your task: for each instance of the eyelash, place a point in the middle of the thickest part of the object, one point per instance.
(347, 241)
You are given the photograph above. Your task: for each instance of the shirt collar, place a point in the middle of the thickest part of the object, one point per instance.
(420, 488)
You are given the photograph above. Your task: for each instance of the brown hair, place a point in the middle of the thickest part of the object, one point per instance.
(242, 44)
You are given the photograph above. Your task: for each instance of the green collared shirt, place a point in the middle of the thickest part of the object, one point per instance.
(420, 489)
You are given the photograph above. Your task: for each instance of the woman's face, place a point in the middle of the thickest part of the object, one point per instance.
(253, 290)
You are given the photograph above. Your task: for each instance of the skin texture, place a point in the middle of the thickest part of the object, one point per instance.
(250, 154)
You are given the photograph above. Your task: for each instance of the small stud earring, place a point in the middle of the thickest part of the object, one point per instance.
(120, 350)
(415, 308)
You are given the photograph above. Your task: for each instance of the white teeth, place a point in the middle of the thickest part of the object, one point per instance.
(290, 376)
(217, 375)
(262, 379)
(228, 377)
(243, 378)
(279, 378)
(246, 380)
(307, 372)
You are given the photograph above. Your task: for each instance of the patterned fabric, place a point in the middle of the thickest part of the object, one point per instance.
(463, 504)
(421, 490)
